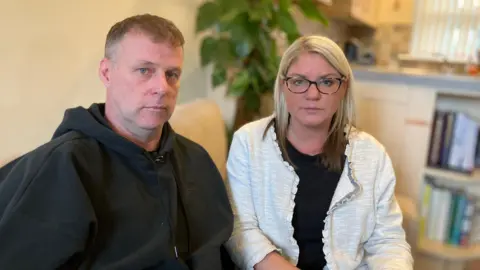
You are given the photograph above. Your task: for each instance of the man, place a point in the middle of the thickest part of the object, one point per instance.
(116, 188)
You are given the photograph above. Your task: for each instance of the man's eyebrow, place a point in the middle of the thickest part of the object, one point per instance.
(177, 69)
(146, 63)
(150, 63)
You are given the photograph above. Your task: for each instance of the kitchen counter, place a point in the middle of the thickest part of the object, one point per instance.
(440, 82)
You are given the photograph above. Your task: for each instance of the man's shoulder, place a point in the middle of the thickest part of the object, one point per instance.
(62, 148)
(189, 147)
(60, 156)
(69, 144)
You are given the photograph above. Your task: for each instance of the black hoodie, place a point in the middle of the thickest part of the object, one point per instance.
(91, 199)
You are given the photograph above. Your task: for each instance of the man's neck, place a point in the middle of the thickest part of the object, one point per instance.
(147, 139)
(308, 140)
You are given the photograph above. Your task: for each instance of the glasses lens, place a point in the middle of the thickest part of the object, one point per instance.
(325, 85)
(297, 85)
(328, 85)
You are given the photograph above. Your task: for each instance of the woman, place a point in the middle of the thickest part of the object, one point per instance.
(309, 191)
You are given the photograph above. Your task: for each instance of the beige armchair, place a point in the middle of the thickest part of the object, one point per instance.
(201, 121)
(410, 219)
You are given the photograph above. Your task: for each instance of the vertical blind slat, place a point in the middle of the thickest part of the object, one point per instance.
(447, 27)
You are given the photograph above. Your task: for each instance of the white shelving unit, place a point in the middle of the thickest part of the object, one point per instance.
(435, 254)
(438, 255)
(398, 109)
(446, 176)
(448, 253)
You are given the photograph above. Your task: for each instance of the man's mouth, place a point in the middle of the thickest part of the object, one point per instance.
(156, 108)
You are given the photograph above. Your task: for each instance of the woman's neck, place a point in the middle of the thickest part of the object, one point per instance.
(307, 140)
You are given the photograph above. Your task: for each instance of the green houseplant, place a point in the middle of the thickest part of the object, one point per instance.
(240, 44)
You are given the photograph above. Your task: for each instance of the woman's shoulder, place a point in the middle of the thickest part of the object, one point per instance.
(367, 152)
(365, 142)
(255, 129)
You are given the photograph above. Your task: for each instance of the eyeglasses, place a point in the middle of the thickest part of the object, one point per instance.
(327, 86)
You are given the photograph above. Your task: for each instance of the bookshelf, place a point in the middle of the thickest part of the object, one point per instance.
(452, 176)
(398, 109)
(447, 252)
(449, 204)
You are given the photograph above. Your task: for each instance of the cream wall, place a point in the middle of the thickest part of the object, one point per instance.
(49, 53)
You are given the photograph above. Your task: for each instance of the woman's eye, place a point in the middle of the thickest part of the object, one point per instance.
(298, 82)
(327, 82)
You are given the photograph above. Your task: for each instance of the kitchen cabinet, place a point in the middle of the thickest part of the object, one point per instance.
(353, 12)
(398, 12)
(364, 11)
(326, 2)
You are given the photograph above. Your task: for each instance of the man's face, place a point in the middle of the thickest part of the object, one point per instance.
(142, 81)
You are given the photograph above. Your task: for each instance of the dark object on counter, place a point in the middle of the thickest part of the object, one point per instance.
(366, 57)
(351, 50)
(358, 53)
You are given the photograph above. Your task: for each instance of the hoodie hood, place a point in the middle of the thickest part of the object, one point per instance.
(91, 122)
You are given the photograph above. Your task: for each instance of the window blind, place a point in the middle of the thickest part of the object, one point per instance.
(449, 29)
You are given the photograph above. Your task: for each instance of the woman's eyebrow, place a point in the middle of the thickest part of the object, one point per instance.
(329, 75)
(318, 77)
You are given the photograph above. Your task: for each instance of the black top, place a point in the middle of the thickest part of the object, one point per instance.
(90, 198)
(315, 191)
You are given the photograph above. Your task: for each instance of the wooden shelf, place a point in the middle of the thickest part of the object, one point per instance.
(447, 252)
(451, 176)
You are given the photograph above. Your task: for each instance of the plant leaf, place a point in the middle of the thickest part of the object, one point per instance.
(252, 101)
(243, 48)
(285, 4)
(207, 16)
(311, 11)
(240, 83)
(208, 50)
(261, 10)
(286, 22)
(264, 74)
(225, 51)
(230, 5)
(292, 37)
(255, 85)
(219, 75)
(264, 41)
(241, 29)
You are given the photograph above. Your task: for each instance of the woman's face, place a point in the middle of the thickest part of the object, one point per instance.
(305, 103)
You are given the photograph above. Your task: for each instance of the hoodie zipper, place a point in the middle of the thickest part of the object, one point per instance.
(160, 159)
(182, 201)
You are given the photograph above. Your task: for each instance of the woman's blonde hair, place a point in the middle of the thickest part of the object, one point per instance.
(337, 139)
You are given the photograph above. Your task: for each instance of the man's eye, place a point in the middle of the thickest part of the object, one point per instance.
(144, 71)
(172, 76)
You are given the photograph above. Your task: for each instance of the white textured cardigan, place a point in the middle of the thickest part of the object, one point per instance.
(363, 227)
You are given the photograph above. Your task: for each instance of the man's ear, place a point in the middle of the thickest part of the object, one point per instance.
(104, 70)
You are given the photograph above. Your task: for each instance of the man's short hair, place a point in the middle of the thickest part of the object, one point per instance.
(158, 28)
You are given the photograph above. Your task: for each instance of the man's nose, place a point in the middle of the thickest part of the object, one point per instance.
(160, 83)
